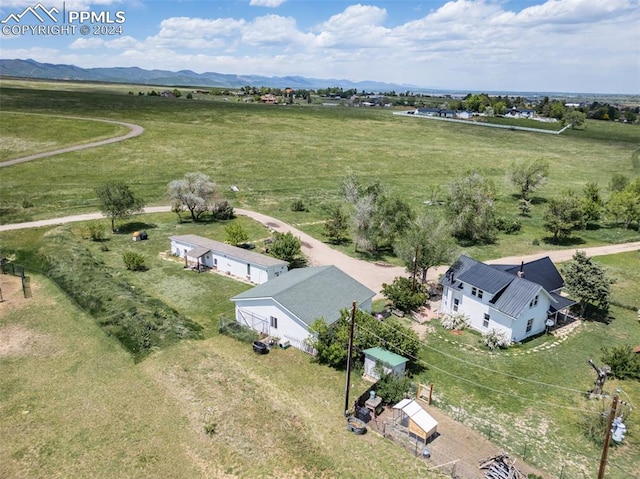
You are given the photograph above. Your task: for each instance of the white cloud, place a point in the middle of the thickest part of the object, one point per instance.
(87, 43)
(266, 3)
(558, 45)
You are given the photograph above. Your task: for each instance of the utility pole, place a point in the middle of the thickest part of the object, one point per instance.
(415, 270)
(607, 436)
(349, 354)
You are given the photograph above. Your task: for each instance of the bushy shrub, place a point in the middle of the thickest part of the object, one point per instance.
(402, 295)
(392, 389)
(93, 230)
(133, 261)
(495, 339)
(222, 210)
(508, 226)
(298, 205)
(624, 363)
(454, 321)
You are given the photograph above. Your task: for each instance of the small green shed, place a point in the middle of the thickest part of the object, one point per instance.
(379, 358)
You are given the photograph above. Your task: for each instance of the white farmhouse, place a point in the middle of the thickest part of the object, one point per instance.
(515, 299)
(286, 306)
(238, 262)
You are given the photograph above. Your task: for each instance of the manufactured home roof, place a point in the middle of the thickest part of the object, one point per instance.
(226, 249)
(312, 293)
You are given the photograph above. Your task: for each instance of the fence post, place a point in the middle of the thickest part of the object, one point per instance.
(562, 472)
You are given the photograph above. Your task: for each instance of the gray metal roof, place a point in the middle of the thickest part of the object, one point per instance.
(562, 302)
(312, 293)
(512, 294)
(541, 271)
(516, 297)
(232, 251)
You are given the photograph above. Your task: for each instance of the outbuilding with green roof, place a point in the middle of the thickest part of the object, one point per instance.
(378, 360)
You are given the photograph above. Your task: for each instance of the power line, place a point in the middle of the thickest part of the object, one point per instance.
(540, 383)
(483, 386)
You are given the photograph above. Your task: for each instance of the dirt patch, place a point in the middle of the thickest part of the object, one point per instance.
(18, 341)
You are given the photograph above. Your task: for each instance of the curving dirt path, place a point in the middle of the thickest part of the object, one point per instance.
(134, 130)
(319, 253)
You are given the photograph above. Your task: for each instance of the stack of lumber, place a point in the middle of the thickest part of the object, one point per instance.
(499, 468)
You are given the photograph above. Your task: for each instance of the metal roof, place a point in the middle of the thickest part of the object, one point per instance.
(516, 297)
(541, 271)
(386, 357)
(232, 251)
(512, 294)
(320, 292)
(562, 302)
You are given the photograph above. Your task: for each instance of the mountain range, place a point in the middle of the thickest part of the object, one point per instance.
(184, 78)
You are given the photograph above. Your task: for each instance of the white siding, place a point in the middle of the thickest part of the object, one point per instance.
(256, 314)
(539, 315)
(223, 263)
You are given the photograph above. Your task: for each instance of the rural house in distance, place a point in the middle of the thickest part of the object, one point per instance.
(286, 306)
(237, 262)
(515, 299)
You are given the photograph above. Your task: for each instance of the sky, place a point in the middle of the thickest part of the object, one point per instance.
(582, 46)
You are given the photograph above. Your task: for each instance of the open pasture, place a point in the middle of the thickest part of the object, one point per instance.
(278, 153)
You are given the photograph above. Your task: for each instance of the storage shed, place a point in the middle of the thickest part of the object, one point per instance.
(375, 358)
(418, 422)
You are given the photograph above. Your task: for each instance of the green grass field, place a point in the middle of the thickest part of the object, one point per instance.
(75, 403)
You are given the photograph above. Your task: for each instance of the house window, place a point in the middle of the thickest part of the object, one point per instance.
(529, 324)
(273, 321)
(534, 302)
(485, 321)
(456, 302)
(479, 294)
(248, 269)
(474, 291)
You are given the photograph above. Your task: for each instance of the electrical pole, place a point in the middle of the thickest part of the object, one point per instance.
(350, 352)
(415, 270)
(607, 436)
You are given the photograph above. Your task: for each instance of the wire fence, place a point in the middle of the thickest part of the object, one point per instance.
(13, 269)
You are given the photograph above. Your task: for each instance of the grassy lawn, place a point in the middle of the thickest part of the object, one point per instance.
(26, 134)
(277, 154)
(529, 400)
(74, 403)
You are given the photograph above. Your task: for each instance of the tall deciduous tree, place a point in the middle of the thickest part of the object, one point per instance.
(470, 209)
(624, 206)
(574, 118)
(563, 216)
(117, 201)
(195, 191)
(587, 282)
(427, 243)
(528, 175)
